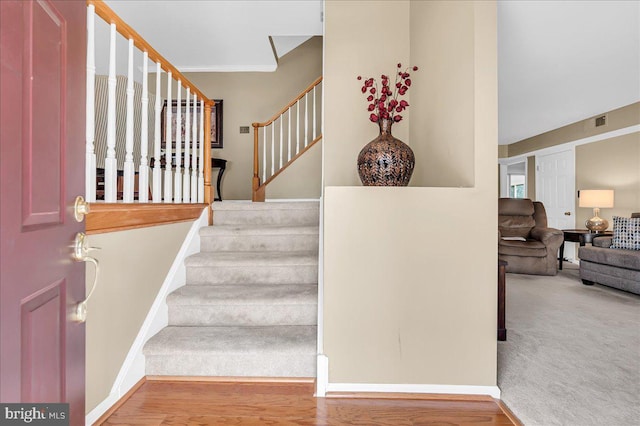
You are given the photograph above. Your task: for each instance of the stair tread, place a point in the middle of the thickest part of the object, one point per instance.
(247, 205)
(245, 294)
(252, 258)
(176, 340)
(218, 230)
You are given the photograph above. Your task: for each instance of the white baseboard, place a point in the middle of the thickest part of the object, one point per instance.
(323, 386)
(289, 200)
(492, 391)
(322, 375)
(102, 408)
(133, 367)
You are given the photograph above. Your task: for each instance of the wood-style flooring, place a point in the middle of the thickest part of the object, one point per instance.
(238, 403)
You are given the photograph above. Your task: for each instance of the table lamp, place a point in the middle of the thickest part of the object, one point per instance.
(596, 198)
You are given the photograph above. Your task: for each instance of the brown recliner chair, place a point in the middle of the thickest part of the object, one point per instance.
(525, 241)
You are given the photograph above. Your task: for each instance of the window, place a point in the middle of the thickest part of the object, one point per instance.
(516, 186)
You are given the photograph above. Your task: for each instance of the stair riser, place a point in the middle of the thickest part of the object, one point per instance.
(261, 274)
(243, 315)
(233, 364)
(259, 243)
(301, 217)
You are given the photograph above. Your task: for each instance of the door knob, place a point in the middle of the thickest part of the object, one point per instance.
(80, 250)
(567, 213)
(80, 208)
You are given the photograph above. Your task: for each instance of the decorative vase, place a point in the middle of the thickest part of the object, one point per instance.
(385, 161)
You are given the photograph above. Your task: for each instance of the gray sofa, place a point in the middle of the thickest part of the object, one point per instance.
(617, 268)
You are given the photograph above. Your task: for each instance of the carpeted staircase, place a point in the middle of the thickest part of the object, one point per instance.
(250, 303)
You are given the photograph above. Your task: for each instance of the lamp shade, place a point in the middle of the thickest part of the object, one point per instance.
(602, 198)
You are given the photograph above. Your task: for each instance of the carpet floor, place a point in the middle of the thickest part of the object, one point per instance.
(572, 356)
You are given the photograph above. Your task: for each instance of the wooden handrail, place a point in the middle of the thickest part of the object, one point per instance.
(293, 102)
(107, 14)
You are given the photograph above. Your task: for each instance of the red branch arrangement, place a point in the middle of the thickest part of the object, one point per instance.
(387, 105)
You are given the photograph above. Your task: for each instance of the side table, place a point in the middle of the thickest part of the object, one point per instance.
(581, 236)
(502, 326)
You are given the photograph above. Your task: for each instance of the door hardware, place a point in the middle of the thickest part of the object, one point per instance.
(80, 208)
(80, 250)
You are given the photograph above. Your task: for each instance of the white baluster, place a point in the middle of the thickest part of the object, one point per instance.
(264, 153)
(306, 120)
(202, 148)
(273, 148)
(110, 163)
(186, 181)
(289, 138)
(314, 112)
(298, 128)
(128, 155)
(157, 169)
(177, 184)
(143, 173)
(281, 148)
(168, 176)
(90, 163)
(195, 151)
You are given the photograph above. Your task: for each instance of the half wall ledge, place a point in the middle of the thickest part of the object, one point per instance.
(111, 217)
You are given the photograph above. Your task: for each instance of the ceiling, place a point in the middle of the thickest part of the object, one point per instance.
(564, 61)
(222, 35)
(558, 61)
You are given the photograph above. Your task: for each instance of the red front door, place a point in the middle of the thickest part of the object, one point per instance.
(42, 122)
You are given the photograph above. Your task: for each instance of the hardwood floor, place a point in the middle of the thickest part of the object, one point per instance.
(251, 403)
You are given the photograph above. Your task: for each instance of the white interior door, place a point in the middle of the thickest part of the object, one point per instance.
(555, 188)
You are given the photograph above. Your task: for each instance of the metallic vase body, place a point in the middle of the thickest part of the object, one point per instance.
(385, 161)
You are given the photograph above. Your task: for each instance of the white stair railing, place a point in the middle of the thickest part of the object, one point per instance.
(305, 131)
(168, 175)
(194, 161)
(90, 164)
(186, 184)
(110, 163)
(157, 146)
(182, 155)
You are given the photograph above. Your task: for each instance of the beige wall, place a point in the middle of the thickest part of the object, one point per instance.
(255, 97)
(399, 308)
(531, 177)
(503, 151)
(442, 93)
(610, 164)
(616, 119)
(354, 51)
(133, 266)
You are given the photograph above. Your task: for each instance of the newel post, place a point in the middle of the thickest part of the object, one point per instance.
(207, 153)
(257, 193)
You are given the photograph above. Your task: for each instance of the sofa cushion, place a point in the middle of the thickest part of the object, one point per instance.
(515, 226)
(529, 248)
(602, 242)
(626, 233)
(629, 259)
(515, 217)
